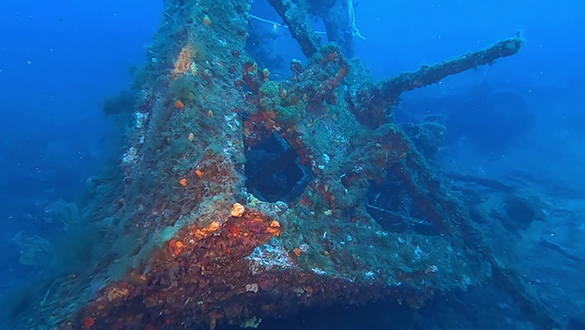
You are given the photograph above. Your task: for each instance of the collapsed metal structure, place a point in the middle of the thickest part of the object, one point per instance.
(196, 241)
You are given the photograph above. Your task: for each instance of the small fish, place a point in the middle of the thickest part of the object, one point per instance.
(220, 64)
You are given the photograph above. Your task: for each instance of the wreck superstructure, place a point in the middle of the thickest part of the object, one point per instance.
(194, 239)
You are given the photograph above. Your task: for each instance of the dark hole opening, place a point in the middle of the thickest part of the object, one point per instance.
(394, 210)
(274, 172)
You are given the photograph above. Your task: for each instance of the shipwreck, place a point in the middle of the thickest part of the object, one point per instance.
(239, 198)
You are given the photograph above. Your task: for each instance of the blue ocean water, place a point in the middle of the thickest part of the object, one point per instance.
(60, 60)
(521, 119)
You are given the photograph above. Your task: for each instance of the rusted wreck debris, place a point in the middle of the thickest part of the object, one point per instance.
(191, 242)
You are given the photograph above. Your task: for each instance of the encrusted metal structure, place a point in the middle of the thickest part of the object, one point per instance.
(193, 238)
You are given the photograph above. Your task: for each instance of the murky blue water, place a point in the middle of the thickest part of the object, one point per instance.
(520, 121)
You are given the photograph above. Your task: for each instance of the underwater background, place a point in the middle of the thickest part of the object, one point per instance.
(520, 120)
